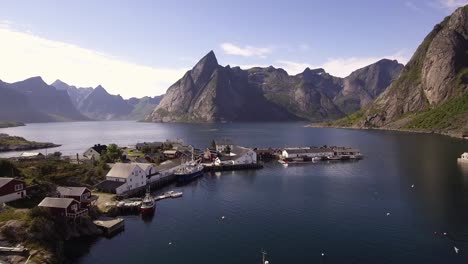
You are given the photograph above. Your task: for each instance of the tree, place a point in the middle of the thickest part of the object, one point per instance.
(8, 169)
(113, 153)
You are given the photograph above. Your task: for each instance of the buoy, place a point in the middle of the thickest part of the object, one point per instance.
(456, 249)
(445, 234)
(170, 243)
(323, 254)
(388, 214)
(435, 232)
(222, 217)
(412, 186)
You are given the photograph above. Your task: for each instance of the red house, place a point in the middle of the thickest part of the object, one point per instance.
(66, 207)
(81, 194)
(11, 189)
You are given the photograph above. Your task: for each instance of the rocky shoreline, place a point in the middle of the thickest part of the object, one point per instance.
(452, 134)
(13, 143)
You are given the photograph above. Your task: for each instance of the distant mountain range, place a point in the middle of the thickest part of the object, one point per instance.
(98, 104)
(33, 100)
(431, 93)
(210, 92)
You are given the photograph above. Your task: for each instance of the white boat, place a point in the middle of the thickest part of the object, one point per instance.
(316, 159)
(463, 158)
(176, 194)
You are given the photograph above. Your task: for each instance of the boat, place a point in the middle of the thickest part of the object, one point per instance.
(188, 172)
(176, 194)
(148, 204)
(463, 158)
(334, 158)
(315, 159)
(264, 261)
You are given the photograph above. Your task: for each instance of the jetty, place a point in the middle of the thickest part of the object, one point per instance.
(231, 167)
(14, 250)
(110, 226)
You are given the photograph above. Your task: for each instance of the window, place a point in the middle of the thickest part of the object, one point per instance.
(18, 187)
(74, 207)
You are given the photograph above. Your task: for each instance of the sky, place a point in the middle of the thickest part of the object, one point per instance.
(140, 48)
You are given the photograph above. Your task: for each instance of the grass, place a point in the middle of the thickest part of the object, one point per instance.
(449, 115)
(349, 120)
(9, 213)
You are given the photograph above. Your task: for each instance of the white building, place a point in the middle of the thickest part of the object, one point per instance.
(11, 189)
(290, 153)
(238, 155)
(95, 152)
(130, 175)
(223, 145)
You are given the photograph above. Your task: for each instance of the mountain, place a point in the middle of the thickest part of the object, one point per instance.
(142, 107)
(77, 95)
(212, 93)
(362, 86)
(33, 100)
(432, 91)
(15, 106)
(100, 105)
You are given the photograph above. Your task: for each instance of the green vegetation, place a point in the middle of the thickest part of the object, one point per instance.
(5, 124)
(451, 115)
(8, 169)
(11, 140)
(349, 120)
(113, 153)
(12, 214)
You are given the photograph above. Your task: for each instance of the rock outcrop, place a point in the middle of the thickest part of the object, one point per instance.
(213, 93)
(432, 89)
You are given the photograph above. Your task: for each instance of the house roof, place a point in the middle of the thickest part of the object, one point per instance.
(144, 166)
(307, 150)
(122, 170)
(169, 164)
(99, 148)
(223, 141)
(171, 151)
(71, 191)
(30, 154)
(56, 202)
(5, 181)
(109, 186)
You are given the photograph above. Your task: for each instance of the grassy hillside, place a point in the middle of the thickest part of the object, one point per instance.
(451, 115)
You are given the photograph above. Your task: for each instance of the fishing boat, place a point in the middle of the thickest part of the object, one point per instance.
(189, 171)
(264, 261)
(148, 204)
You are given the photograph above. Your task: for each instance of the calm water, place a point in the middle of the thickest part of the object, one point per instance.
(294, 213)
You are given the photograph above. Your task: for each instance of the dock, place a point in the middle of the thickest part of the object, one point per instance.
(229, 167)
(110, 226)
(14, 250)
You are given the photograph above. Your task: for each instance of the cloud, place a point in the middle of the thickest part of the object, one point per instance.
(451, 5)
(24, 55)
(340, 67)
(413, 6)
(246, 51)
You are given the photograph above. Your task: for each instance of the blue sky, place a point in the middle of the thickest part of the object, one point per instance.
(137, 48)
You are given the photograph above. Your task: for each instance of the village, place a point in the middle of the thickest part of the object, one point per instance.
(120, 176)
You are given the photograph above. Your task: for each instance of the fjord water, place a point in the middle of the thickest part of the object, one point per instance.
(294, 213)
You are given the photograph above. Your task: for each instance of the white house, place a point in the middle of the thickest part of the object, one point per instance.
(95, 152)
(11, 189)
(130, 175)
(290, 153)
(223, 144)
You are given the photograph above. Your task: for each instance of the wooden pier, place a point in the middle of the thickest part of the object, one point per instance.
(14, 250)
(228, 167)
(110, 226)
(155, 185)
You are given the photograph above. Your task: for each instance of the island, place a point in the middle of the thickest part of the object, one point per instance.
(14, 143)
(5, 124)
